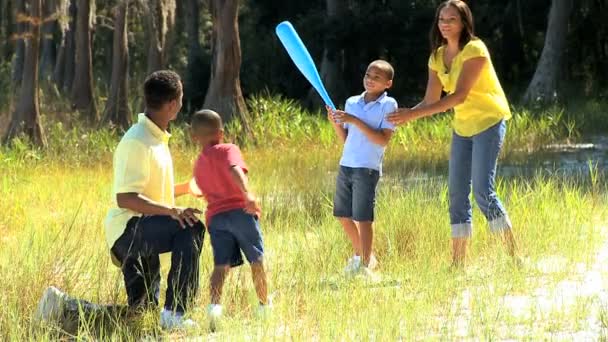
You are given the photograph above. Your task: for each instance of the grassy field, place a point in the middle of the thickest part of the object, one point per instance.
(53, 203)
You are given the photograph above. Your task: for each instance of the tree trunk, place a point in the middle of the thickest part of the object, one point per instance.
(192, 8)
(117, 106)
(49, 52)
(331, 64)
(82, 86)
(160, 21)
(6, 24)
(26, 117)
(543, 87)
(194, 91)
(63, 75)
(224, 94)
(18, 59)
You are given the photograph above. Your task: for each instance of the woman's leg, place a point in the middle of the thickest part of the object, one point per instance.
(459, 186)
(486, 148)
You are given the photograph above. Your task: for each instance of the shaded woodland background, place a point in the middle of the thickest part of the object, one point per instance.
(85, 59)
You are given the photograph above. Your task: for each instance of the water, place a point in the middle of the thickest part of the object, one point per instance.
(570, 160)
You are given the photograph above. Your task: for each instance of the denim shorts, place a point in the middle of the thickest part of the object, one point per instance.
(356, 193)
(232, 232)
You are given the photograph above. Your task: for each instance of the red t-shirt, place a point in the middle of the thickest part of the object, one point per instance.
(212, 176)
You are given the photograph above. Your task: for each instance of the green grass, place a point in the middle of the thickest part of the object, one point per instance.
(53, 203)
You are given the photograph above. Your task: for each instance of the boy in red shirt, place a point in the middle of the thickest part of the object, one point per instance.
(232, 210)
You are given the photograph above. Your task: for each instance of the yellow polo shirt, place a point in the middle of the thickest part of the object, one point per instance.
(142, 164)
(486, 103)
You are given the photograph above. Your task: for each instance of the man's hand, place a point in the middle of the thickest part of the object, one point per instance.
(185, 216)
(251, 204)
(400, 117)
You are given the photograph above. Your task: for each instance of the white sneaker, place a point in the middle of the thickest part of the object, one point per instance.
(264, 311)
(368, 275)
(214, 312)
(170, 320)
(51, 306)
(373, 262)
(353, 265)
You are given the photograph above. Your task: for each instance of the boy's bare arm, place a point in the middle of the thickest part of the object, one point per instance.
(251, 205)
(189, 188)
(181, 189)
(379, 137)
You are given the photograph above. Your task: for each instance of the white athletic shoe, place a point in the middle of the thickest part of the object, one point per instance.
(264, 311)
(366, 274)
(214, 312)
(353, 265)
(170, 320)
(51, 306)
(373, 263)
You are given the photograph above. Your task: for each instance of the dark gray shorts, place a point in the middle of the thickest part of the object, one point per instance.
(356, 193)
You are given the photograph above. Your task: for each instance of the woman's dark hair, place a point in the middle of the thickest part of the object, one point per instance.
(468, 30)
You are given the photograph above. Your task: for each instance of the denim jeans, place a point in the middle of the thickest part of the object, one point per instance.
(139, 247)
(234, 231)
(473, 160)
(356, 193)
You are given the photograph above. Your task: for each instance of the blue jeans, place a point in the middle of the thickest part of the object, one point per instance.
(473, 159)
(138, 249)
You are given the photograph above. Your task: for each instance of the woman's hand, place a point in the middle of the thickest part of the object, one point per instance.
(400, 117)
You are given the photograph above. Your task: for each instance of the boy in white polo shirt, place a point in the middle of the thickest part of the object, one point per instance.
(363, 129)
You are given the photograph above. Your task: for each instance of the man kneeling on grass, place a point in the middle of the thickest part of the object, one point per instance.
(144, 221)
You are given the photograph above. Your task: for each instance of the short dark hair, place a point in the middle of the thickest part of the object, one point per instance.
(161, 87)
(468, 30)
(385, 67)
(207, 120)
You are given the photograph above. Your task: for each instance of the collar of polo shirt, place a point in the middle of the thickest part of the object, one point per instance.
(156, 131)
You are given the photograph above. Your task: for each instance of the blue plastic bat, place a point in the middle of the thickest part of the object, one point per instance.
(300, 56)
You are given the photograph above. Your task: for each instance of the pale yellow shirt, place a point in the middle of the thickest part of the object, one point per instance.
(142, 164)
(486, 103)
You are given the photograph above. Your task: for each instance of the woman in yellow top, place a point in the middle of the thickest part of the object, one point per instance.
(461, 66)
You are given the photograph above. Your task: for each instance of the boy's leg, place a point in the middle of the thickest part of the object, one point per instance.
(248, 235)
(367, 238)
(259, 281)
(343, 206)
(225, 253)
(351, 230)
(486, 148)
(216, 282)
(459, 189)
(364, 199)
